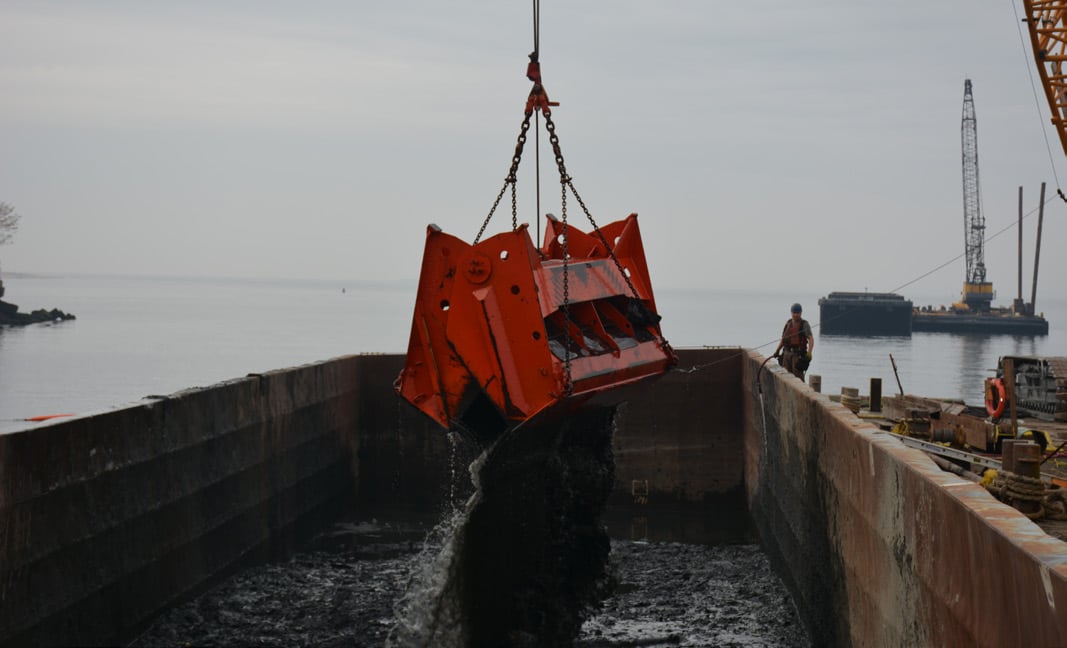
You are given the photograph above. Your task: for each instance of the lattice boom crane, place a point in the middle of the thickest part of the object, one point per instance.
(1048, 38)
(977, 292)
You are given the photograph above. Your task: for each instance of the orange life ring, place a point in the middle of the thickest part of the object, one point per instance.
(994, 397)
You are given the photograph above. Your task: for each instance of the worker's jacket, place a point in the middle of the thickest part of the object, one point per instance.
(795, 334)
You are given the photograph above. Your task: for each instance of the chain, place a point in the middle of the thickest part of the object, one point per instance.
(510, 179)
(604, 240)
(569, 387)
(491, 210)
(566, 181)
(514, 210)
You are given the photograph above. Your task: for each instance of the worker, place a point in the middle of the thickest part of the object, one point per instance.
(794, 349)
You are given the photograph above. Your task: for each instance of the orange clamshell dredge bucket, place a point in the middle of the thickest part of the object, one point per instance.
(490, 334)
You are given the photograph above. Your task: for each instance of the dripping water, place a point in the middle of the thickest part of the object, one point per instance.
(526, 558)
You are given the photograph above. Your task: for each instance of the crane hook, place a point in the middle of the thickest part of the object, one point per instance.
(538, 99)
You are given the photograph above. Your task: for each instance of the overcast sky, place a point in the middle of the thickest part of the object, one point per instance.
(777, 144)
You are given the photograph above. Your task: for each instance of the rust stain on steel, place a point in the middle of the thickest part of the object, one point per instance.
(975, 432)
(887, 549)
(909, 407)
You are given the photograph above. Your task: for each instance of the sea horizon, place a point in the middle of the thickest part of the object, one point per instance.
(138, 335)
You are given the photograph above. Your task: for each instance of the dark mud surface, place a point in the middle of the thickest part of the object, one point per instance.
(672, 594)
(339, 592)
(346, 587)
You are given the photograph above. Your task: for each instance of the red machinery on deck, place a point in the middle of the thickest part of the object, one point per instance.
(503, 332)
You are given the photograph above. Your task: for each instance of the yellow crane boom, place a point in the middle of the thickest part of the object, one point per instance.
(1048, 37)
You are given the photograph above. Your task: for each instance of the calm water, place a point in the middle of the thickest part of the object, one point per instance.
(139, 336)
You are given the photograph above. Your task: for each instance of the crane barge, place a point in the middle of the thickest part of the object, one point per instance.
(890, 314)
(855, 313)
(975, 313)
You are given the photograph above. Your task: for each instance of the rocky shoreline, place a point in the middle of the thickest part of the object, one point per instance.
(10, 315)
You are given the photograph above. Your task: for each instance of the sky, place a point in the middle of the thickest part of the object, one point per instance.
(807, 146)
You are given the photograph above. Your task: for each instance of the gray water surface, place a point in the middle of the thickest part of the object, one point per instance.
(137, 336)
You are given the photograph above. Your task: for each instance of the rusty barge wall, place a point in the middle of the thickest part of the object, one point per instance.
(878, 545)
(109, 518)
(677, 444)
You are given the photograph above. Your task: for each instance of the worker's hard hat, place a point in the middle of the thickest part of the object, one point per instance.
(795, 308)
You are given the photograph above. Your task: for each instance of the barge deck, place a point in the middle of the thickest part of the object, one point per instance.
(996, 322)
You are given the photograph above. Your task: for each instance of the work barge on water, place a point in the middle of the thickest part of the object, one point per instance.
(875, 314)
(877, 544)
(890, 314)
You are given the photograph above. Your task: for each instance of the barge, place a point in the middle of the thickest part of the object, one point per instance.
(996, 321)
(890, 314)
(108, 518)
(865, 313)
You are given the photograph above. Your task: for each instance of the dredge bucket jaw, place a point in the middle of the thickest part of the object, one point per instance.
(504, 333)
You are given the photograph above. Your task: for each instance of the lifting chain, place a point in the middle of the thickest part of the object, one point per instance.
(566, 181)
(538, 101)
(568, 389)
(511, 179)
